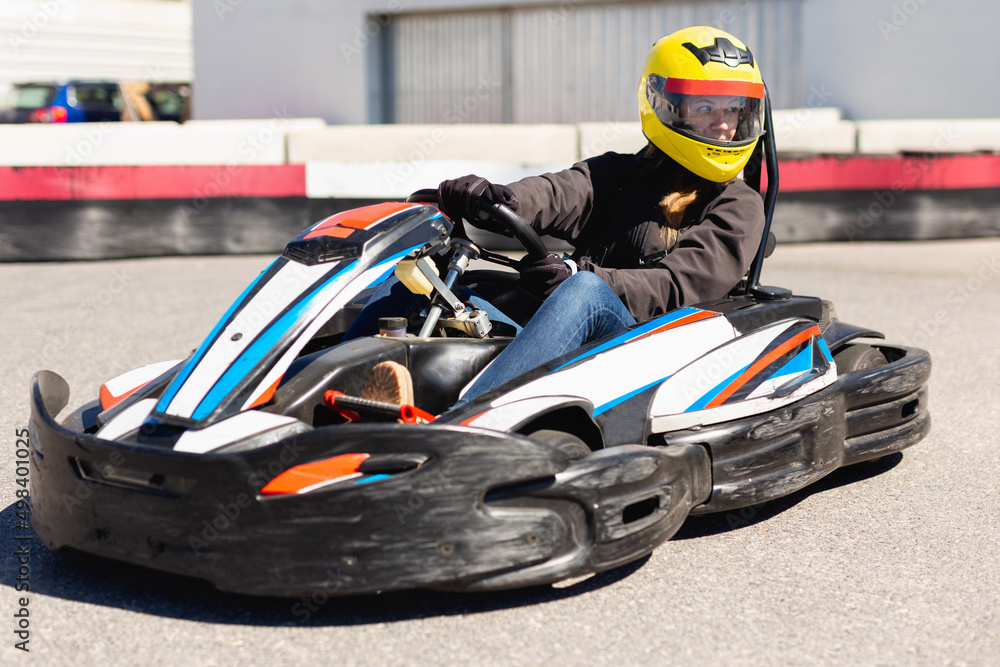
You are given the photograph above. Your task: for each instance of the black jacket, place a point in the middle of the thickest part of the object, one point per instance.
(608, 208)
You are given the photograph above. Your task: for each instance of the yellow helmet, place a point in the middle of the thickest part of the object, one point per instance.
(701, 101)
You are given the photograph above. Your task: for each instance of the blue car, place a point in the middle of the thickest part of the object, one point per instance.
(69, 102)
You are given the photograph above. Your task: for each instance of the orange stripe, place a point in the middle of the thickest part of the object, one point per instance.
(359, 218)
(473, 418)
(339, 232)
(761, 365)
(109, 400)
(695, 317)
(267, 395)
(294, 480)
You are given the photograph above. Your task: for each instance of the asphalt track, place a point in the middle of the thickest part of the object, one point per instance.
(893, 562)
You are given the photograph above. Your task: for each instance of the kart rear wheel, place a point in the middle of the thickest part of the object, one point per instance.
(573, 447)
(858, 358)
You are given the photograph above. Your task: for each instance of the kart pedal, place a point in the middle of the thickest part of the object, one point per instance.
(357, 409)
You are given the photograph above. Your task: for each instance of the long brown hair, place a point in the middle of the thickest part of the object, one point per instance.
(688, 189)
(674, 206)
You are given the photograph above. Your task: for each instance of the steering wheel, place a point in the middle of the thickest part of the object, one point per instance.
(499, 213)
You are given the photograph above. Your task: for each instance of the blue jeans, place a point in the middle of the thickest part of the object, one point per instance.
(583, 308)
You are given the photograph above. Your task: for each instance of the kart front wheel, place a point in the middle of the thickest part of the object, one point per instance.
(858, 358)
(573, 447)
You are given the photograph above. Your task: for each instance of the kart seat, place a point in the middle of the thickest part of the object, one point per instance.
(441, 367)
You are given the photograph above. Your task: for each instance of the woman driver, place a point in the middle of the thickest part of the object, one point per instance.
(667, 227)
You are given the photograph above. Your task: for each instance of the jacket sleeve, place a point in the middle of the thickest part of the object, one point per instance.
(708, 261)
(560, 204)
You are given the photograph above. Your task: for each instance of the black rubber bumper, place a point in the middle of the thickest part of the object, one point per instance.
(483, 510)
(865, 415)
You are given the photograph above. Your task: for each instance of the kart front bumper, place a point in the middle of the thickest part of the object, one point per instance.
(483, 510)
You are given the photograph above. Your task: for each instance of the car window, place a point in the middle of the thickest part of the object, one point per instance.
(33, 97)
(97, 96)
(166, 103)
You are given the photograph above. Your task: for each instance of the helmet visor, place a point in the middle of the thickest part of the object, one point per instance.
(723, 113)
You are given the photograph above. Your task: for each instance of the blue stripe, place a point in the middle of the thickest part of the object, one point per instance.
(621, 399)
(253, 355)
(186, 371)
(715, 391)
(801, 363)
(633, 333)
(826, 350)
(371, 478)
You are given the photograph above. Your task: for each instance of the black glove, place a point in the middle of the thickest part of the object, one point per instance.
(540, 277)
(459, 198)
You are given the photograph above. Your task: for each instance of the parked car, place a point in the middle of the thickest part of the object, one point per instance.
(69, 102)
(90, 101)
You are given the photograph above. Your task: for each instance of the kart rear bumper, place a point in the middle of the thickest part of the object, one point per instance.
(484, 510)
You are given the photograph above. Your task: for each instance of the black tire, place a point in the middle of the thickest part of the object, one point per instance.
(573, 447)
(858, 358)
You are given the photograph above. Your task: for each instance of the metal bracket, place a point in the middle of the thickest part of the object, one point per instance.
(474, 323)
(427, 268)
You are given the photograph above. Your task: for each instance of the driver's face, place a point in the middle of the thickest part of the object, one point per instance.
(712, 116)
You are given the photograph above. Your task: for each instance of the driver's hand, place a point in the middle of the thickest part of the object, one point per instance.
(540, 277)
(459, 198)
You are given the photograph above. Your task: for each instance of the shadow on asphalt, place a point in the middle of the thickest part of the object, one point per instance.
(721, 522)
(92, 580)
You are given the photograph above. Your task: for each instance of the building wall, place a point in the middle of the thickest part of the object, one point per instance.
(145, 40)
(324, 58)
(546, 65)
(883, 59)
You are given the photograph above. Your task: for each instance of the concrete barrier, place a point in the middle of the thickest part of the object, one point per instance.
(392, 161)
(817, 131)
(397, 180)
(138, 189)
(888, 137)
(417, 144)
(152, 143)
(599, 138)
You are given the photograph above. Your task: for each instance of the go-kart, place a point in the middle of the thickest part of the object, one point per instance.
(254, 464)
